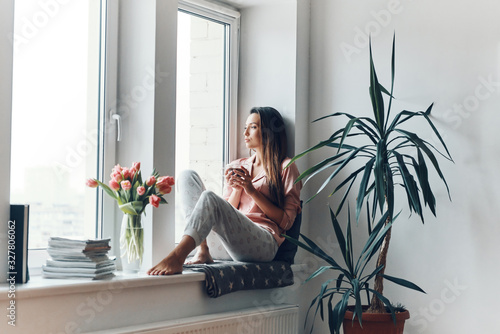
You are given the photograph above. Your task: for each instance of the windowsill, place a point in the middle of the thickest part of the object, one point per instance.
(38, 286)
(70, 306)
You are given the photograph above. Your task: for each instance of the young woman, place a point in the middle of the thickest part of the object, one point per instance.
(260, 202)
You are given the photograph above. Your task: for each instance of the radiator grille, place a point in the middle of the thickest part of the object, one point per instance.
(282, 320)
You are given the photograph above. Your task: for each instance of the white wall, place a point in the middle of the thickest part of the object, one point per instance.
(447, 52)
(6, 53)
(267, 71)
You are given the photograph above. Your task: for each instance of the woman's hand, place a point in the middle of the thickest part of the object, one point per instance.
(230, 178)
(241, 178)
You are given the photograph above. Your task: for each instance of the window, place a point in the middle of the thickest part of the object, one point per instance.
(57, 116)
(206, 93)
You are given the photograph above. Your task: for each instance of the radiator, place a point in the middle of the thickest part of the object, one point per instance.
(263, 320)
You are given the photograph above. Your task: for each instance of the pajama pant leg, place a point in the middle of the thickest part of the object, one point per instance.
(242, 238)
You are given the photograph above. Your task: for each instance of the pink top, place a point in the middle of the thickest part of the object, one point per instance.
(292, 199)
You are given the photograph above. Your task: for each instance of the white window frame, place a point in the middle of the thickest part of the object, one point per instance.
(107, 133)
(231, 18)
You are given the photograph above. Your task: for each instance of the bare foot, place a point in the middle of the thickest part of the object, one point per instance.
(170, 265)
(202, 256)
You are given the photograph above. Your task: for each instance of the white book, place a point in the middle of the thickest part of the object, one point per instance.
(80, 264)
(107, 269)
(78, 276)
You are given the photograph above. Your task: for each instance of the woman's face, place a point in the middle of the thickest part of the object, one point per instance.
(253, 136)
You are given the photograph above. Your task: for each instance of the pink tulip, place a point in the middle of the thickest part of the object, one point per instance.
(126, 185)
(170, 180)
(117, 176)
(164, 189)
(141, 190)
(117, 168)
(163, 185)
(136, 166)
(154, 200)
(113, 184)
(150, 181)
(92, 183)
(161, 181)
(127, 175)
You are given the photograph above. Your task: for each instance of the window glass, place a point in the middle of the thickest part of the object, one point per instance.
(201, 106)
(55, 116)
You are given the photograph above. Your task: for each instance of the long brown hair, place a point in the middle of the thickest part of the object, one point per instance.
(274, 150)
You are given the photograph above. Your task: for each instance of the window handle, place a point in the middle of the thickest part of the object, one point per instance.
(118, 120)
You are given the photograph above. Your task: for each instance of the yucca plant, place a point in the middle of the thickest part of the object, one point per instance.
(352, 280)
(391, 158)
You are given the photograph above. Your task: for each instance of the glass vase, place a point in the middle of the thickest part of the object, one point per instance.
(131, 243)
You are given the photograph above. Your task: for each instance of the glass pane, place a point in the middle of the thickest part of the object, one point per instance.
(55, 116)
(200, 101)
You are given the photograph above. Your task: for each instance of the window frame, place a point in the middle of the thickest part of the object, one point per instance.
(231, 18)
(106, 214)
(108, 31)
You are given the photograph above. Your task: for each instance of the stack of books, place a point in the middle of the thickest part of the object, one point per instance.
(78, 258)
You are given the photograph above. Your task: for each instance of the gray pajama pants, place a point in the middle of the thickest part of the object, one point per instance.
(204, 211)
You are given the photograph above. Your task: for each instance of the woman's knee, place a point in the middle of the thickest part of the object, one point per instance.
(189, 177)
(208, 196)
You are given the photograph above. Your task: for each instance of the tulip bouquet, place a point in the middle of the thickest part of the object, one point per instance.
(133, 195)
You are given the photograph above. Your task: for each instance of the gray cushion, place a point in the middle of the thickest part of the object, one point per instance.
(286, 252)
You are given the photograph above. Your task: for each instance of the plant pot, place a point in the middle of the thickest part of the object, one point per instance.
(375, 323)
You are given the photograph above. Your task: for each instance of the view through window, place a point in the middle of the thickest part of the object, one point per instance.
(201, 106)
(55, 116)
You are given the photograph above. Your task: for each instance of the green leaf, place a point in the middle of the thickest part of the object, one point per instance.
(403, 282)
(393, 73)
(421, 144)
(339, 281)
(410, 186)
(375, 231)
(319, 252)
(376, 96)
(349, 244)
(344, 197)
(107, 189)
(128, 208)
(343, 306)
(379, 173)
(351, 156)
(363, 186)
(332, 319)
(375, 272)
(423, 178)
(346, 131)
(341, 239)
(436, 132)
(324, 286)
(358, 309)
(318, 272)
(387, 303)
(319, 167)
(346, 180)
(317, 146)
(375, 240)
(314, 250)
